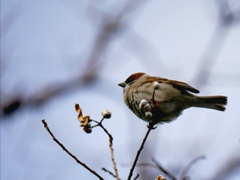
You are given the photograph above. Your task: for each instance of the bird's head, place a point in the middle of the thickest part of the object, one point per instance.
(131, 79)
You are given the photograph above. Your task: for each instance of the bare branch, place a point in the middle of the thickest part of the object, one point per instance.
(110, 146)
(150, 127)
(104, 169)
(69, 153)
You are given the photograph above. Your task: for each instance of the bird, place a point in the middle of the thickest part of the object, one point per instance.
(159, 100)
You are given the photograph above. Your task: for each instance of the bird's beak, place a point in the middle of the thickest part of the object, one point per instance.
(123, 84)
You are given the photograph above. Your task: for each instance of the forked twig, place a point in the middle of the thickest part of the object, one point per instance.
(189, 165)
(110, 146)
(150, 127)
(112, 174)
(69, 153)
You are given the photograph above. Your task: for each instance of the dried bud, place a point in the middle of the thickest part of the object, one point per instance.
(77, 108)
(84, 124)
(85, 120)
(160, 178)
(106, 114)
(148, 114)
(156, 85)
(86, 117)
(142, 103)
(80, 118)
(147, 107)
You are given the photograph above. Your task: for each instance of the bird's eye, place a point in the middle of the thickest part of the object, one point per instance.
(129, 80)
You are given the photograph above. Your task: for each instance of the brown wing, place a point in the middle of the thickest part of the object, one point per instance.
(181, 85)
(177, 84)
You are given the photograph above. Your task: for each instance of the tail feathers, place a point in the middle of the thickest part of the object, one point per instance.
(212, 102)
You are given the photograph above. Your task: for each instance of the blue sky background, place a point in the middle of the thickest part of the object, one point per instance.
(58, 53)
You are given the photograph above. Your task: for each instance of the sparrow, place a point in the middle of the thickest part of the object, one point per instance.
(159, 100)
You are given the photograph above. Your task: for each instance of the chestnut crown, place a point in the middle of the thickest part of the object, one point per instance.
(131, 79)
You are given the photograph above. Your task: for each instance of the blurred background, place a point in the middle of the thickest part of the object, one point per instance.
(58, 53)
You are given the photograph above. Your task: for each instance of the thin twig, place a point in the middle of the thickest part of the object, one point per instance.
(112, 174)
(189, 165)
(136, 177)
(150, 127)
(110, 146)
(69, 153)
(163, 169)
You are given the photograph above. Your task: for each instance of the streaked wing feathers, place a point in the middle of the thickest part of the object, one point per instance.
(177, 84)
(182, 85)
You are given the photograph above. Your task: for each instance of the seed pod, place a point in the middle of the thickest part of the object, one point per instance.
(88, 128)
(156, 85)
(142, 103)
(148, 114)
(147, 107)
(106, 114)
